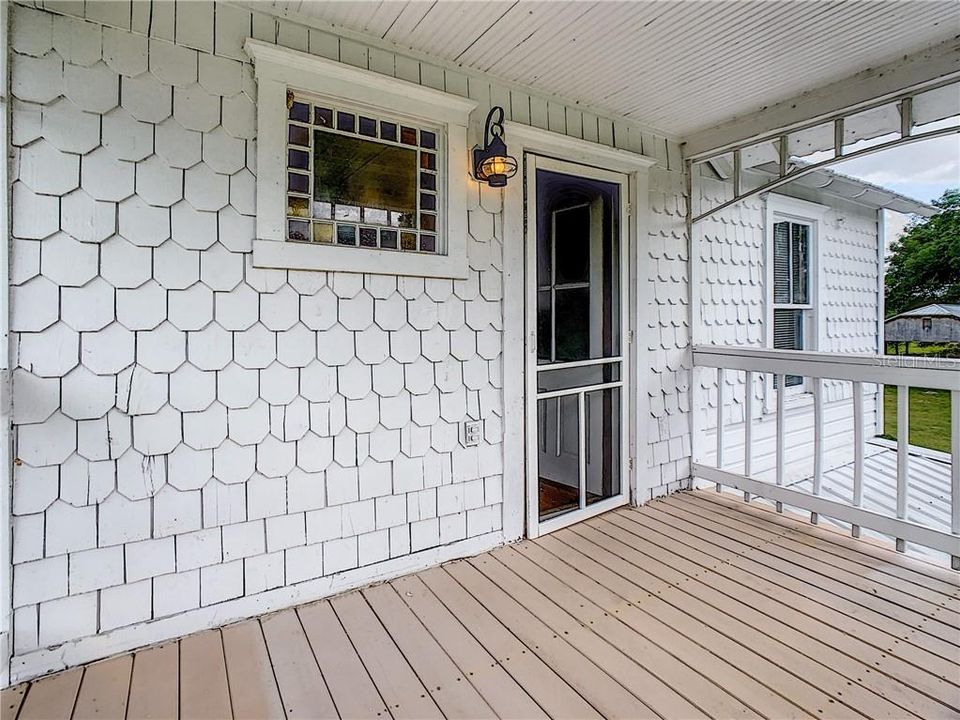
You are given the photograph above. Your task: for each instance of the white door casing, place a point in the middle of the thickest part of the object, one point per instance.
(523, 140)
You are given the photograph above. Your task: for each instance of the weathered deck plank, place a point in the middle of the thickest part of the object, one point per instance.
(154, 684)
(253, 686)
(697, 605)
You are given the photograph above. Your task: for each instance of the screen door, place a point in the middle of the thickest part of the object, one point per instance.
(576, 309)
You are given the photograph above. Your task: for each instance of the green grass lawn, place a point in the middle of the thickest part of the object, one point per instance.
(929, 417)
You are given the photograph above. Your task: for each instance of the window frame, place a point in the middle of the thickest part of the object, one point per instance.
(278, 70)
(781, 208)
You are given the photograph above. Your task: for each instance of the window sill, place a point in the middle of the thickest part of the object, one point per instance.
(284, 255)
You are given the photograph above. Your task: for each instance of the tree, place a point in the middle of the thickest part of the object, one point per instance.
(924, 264)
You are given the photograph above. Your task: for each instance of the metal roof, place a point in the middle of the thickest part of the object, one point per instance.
(856, 190)
(680, 66)
(932, 310)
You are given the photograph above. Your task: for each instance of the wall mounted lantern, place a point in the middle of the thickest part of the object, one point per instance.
(491, 163)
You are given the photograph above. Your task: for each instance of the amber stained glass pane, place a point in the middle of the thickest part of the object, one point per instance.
(428, 221)
(428, 161)
(298, 206)
(408, 241)
(322, 232)
(408, 135)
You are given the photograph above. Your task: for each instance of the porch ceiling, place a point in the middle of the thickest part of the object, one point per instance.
(677, 66)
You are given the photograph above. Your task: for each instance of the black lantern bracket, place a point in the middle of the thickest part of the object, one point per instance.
(492, 163)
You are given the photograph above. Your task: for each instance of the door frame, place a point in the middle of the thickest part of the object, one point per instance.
(523, 141)
(536, 526)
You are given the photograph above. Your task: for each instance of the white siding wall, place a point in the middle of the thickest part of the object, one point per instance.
(197, 439)
(733, 308)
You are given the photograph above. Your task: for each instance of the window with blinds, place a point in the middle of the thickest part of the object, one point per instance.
(791, 288)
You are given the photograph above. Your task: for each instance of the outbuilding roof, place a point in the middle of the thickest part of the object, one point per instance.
(932, 310)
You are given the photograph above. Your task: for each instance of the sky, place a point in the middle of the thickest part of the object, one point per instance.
(920, 170)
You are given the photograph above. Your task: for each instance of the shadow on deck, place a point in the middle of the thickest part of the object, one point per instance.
(695, 605)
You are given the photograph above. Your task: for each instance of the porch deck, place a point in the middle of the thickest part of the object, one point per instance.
(695, 605)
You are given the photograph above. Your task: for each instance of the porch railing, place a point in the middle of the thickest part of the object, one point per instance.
(902, 372)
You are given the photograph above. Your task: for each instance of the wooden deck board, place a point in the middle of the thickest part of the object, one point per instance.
(401, 688)
(204, 692)
(253, 686)
(828, 636)
(451, 690)
(697, 605)
(105, 689)
(350, 686)
(154, 684)
(829, 540)
(762, 547)
(850, 564)
(502, 692)
(797, 648)
(302, 687)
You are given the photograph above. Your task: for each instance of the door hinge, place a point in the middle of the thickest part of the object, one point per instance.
(629, 209)
(630, 463)
(630, 336)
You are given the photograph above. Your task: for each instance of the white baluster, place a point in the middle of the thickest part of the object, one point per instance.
(781, 391)
(859, 450)
(903, 454)
(720, 384)
(748, 431)
(817, 440)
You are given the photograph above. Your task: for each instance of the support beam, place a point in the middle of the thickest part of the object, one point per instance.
(909, 74)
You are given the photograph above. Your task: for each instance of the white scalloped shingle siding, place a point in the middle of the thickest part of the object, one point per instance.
(191, 430)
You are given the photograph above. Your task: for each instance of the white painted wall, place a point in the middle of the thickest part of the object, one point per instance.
(197, 440)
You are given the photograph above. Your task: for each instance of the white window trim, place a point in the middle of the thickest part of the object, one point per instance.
(278, 69)
(780, 208)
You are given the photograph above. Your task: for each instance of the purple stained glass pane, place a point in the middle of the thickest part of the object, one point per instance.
(346, 235)
(346, 121)
(428, 181)
(368, 237)
(297, 135)
(428, 139)
(428, 201)
(298, 183)
(300, 111)
(428, 243)
(298, 230)
(388, 239)
(323, 117)
(388, 131)
(368, 126)
(299, 159)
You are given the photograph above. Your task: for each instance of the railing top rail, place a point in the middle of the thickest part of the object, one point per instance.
(939, 373)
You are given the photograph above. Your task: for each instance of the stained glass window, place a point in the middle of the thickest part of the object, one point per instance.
(358, 180)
